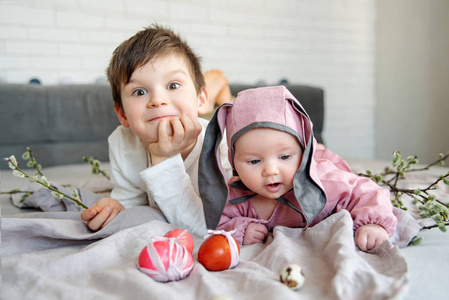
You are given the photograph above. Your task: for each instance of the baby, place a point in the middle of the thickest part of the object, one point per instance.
(280, 176)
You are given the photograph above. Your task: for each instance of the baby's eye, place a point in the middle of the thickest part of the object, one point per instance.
(139, 92)
(285, 157)
(254, 161)
(173, 86)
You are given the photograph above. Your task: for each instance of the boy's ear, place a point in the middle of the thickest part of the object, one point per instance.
(121, 115)
(203, 102)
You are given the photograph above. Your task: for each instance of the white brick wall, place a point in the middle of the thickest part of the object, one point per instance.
(326, 43)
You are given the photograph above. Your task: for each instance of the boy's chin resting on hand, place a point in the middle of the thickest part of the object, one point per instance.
(181, 139)
(369, 236)
(101, 213)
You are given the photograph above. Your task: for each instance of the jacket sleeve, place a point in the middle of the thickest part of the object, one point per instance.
(367, 202)
(172, 190)
(235, 216)
(126, 162)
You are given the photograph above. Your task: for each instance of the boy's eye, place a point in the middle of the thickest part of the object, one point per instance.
(285, 157)
(140, 92)
(254, 161)
(173, 86)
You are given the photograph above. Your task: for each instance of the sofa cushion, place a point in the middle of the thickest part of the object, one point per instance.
(60, 123)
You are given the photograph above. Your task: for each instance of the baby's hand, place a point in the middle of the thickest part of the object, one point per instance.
(101, 213)
(255, 233)
(370, 236)
(185, 131)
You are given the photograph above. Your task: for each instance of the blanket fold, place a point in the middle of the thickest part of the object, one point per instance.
(52, 253)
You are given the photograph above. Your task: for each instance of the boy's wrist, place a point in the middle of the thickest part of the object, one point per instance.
(157, 159)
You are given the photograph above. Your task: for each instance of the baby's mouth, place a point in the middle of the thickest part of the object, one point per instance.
(273, 187)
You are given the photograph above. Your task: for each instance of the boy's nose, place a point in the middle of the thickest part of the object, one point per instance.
(157, 99)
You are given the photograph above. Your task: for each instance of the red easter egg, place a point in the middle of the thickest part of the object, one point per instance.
(165, 260)
(215, 253)
(183, 237)
(162, 248)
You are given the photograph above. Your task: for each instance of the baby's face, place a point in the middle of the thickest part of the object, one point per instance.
(160, 89)
(266, 161)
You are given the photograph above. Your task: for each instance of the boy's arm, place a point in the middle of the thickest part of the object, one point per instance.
(171, 188)
(106, 209)
(127, 157)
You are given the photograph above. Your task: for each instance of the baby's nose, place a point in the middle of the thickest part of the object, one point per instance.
(271, 169)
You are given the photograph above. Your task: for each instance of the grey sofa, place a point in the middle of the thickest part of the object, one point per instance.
(63, 123)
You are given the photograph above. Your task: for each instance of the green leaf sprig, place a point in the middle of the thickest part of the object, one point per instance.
(42, 180)
(428, 203)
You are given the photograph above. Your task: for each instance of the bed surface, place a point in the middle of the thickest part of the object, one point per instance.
(37, 246)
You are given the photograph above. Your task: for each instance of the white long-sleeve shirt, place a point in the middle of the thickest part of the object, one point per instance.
(171, 186)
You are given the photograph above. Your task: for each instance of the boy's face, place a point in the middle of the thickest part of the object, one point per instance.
(266, 161)
(162, 88)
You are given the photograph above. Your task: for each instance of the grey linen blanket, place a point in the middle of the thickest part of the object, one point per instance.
(53, 255)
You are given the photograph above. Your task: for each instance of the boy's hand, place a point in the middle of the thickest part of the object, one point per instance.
(255, 233)
(185, 131)
(101, 213)
(370, 236)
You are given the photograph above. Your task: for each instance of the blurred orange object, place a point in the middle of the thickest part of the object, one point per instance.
(219, 252)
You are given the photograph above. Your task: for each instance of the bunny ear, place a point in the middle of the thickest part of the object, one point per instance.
(306, 183)
(211, 178)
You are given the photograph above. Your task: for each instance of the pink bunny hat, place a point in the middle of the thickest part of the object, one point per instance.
(267, 107)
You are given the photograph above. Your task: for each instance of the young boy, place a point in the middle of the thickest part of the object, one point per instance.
(158, 90)
(280, 176)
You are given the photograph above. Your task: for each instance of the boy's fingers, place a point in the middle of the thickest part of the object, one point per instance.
(192, 128)
(88, 214)
(162, 131)
(111, 217)
(196, 126)
(178, 130)
(100, 218)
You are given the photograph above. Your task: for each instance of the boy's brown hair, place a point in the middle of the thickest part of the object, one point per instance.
(146, 45)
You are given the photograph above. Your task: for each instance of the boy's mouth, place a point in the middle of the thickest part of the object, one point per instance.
(161, 117)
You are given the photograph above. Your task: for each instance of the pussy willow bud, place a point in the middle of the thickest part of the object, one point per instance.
(45, 180)
(424, 215)
(17, 173)
(396, 158)
(12, 162)
(416, 240)
(437, 218)
(75, 194)
(57, 195)
(442, 226)
(438, 208)
(26, 155)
